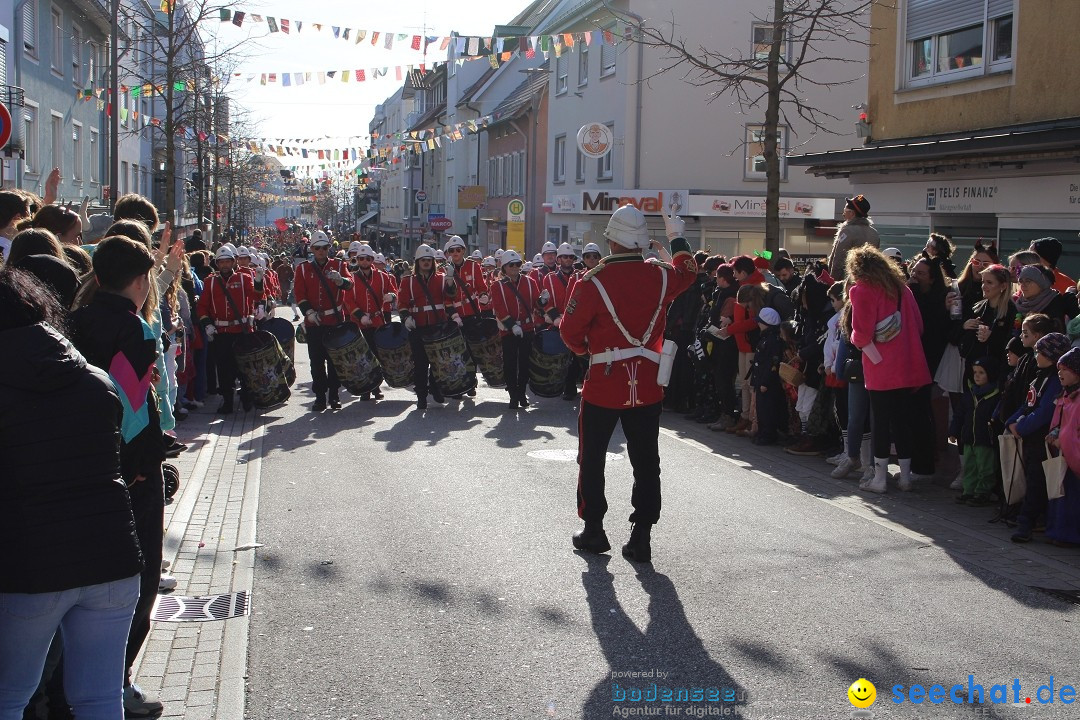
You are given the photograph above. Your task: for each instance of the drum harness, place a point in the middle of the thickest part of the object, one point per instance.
(329, 294)
(520, 297)
(610, 356)
(431, 298)
(232, 303)
(371, 291)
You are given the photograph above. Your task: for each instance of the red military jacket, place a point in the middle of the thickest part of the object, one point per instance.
(214, 309)
(359, 300)
(539, 273)
(311, 295)
(560, 287)
(508, 306)
(634, 287)
(413, 300)
(471, 284)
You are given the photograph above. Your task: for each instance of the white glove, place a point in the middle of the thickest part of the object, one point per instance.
(410, 324)
(518, 332)
(260, 273)
(260, 313)
(484, 299)
(211, 331)
(674, 225)
(312, 317)
(449, 271)
(457, 320)
(365, 320)
(544, 297)
(389, 298)
(558, 322)
(713, 330)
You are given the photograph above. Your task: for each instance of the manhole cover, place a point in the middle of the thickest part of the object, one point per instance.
(178, 608)
(565, 455)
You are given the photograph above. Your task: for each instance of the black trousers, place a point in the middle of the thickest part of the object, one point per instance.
(725, 358)
(891, 421)
(148, 507)
(422, 377)
(573, 374)
(369, 337)
(771, 410)
(641, 425)
(323, 376)
(225, 363)
(516, 363)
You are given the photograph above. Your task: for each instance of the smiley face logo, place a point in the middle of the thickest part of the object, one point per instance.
(862, 693)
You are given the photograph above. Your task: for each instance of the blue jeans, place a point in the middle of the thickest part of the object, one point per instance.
(93, 622)
(858, 418)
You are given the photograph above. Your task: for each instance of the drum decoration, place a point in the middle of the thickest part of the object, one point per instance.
(266, 369)
(485, 346)
(549, 362)
(357, 368)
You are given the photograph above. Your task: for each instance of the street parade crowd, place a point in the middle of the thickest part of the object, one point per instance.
(112, 330)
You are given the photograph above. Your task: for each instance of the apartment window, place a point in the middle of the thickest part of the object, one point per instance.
(76, 55)
(94, 159)
(607, 60)
(30, 28)
(579, 173)
(562, 64)
(559, 164)
(762, 42)
(124, 178)
(755, 152)
(57, 41)
(30, 140)
(952, 40)
(583, 65)
(603, 165)
(493, 176)
(58, 142)
(76, 152)
(92, 63)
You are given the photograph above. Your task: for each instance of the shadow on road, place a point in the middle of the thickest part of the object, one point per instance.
(677, 669)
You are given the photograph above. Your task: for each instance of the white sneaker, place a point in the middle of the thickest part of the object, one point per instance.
(904, 483)
(846, 466)
(957, 484)
(867, 474)
(877, 481)
(837, 459)
(165, 565)
(167, 582)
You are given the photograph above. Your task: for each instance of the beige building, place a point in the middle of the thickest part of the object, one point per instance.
(974, 115)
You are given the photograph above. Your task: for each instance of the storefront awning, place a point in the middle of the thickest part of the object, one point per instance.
(367, 216)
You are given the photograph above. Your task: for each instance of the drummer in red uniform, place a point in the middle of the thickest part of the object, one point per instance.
(626, 354)
(369, 301)
(555, 291)
(590, 256)
(468, 275)
(423, 303)
(226, 317)
(516, 300)
(320, 285)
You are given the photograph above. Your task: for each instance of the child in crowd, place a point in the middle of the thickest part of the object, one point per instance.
(1063, 514)
(765, 378)
(971, 430)
(1032, 423)
(749, 301)
(791, 356)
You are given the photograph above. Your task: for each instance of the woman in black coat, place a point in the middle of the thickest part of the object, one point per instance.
(70, 559)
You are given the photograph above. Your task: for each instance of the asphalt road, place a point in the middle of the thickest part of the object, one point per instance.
(418, 565)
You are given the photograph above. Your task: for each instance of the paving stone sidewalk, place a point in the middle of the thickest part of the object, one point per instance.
(197, 669)
(929, 513)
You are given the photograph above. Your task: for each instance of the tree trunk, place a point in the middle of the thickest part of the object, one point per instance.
(772, 121)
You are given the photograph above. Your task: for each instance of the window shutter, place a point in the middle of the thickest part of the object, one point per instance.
(931, 17)
(29, 26)
(3, 63)
(997, 8)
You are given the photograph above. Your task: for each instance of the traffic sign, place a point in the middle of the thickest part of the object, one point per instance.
(421, 196)
(5, 126)
(515, 210)
(441, 224)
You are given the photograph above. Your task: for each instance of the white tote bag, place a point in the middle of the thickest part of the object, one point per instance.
(1012, 468)
(1055, 469)
(950, 371)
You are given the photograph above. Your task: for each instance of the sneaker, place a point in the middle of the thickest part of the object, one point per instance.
(165, 565)
(377, 394)
(867, 475)
(335, 403)
(319, 405)
(167, 582)
(846, 466)
(957, 484)
(805, 447)
(196, 403)
(837, 458)
(138, 704)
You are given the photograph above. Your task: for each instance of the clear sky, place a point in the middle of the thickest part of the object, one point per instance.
(339, 109)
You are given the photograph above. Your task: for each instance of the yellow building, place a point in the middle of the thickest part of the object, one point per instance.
(973, 114)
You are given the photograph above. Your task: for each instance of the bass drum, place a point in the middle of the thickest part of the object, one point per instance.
(451, 364)
(549, 362)
(266, 368)
(357, 367)
(395, 354)
(485, 345)
(285, 333)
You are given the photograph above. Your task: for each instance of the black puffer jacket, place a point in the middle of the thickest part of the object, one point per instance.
(65, 516)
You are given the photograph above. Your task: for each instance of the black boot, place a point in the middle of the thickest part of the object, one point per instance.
(335, 402)
(592, 538)
(319, 405)
(246, 400)
(637, 548)
(513, 404)
(377, 394)
(437, 395)
(421, 402)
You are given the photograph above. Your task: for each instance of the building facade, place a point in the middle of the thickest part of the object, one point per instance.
(975, 125)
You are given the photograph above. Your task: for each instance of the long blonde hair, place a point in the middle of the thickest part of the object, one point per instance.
(868, 264)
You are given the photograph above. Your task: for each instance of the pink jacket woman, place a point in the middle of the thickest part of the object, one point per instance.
(902, 363)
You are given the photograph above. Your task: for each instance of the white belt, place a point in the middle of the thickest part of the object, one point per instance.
(624, 354)
(331, 311)
(228, 323)
(428, 308)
